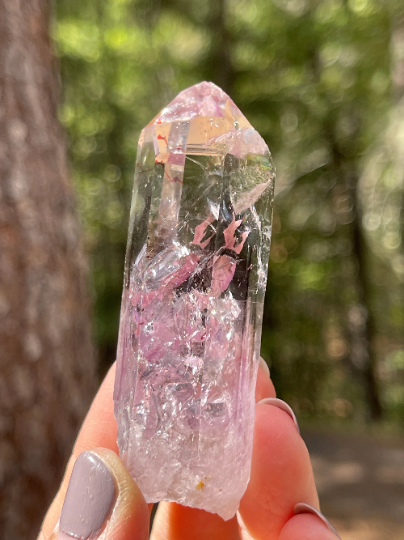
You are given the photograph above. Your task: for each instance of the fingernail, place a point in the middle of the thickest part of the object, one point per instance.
(303, 508)
(264, 366)
(275, 402)
(89, 499)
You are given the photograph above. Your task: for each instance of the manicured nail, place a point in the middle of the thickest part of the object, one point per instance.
(275, 402)
(89, 499)
(264, 366)
(303, 508)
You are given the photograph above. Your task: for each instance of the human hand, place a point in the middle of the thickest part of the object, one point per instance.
(104, 503)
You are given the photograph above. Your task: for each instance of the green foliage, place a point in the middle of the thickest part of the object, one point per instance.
(315, 78)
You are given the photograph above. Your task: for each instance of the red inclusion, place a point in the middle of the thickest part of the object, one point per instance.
(161, 138)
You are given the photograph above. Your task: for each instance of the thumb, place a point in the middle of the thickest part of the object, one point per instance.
(102, 502)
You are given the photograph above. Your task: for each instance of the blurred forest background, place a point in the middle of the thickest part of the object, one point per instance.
(323, 82)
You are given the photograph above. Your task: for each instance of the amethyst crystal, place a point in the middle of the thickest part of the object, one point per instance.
(190, 327)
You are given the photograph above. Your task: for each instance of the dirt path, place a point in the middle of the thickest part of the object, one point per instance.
(361, 484)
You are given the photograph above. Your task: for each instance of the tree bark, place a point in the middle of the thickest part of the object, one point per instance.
(360, 320)
(361, 324)
(47, 366)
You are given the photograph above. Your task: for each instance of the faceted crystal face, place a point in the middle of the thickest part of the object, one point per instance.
(190, 327)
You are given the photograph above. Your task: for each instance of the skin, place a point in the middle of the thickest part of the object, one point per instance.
(281, 477)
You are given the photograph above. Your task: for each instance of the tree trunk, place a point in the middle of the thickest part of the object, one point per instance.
(361, 324)
(46, 356)
(360, 320)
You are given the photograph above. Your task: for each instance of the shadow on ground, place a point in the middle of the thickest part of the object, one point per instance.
(361, 484)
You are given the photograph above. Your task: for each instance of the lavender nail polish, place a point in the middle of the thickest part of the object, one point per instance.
(304, 508)
(89, 499)
(275, 402)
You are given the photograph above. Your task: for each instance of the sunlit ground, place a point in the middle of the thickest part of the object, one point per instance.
(361, 483)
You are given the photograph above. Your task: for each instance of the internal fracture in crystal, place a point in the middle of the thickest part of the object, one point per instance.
(191, 316)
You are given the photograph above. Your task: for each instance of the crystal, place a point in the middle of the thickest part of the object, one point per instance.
(191, 315)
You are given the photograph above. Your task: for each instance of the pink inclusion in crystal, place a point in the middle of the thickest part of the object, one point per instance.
(190, 326)
(201, 237)
(231, 241)
(222, 273)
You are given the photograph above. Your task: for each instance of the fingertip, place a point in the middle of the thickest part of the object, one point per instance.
(54, 510)
(275, 430)
(307, 527)
(130, 517)
(304, 508)
(100, 500)
(264, 387)
(283, 406)
(264, 366)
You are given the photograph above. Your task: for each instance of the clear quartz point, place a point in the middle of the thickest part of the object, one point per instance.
(191, 315)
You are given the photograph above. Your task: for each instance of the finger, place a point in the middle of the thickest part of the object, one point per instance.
(308, 527)
(264, 387)
(102, 502)
(99, 427)
(98, 430)
(281, 473)
(176, 522)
